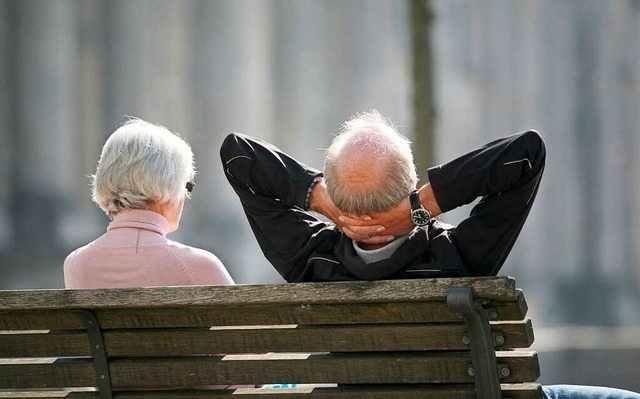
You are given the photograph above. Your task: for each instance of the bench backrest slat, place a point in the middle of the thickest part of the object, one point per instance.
(496, 288)
(355, 368)
(183, 342)
(202, 316)
(519, 391)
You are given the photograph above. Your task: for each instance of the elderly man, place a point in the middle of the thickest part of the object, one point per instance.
(383, 228)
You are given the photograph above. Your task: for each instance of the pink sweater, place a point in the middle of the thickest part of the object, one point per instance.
(135, 252)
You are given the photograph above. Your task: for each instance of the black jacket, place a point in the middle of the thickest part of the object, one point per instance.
(272, 187)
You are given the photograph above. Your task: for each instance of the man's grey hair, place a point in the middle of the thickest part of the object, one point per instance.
(376, 134)
(141, 163)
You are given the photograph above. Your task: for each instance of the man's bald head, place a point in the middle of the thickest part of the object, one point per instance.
(369, 166)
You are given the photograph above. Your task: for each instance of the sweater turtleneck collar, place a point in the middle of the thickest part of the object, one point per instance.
(140, 219)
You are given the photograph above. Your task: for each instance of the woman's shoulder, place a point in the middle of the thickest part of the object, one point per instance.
(203, 263)
(75, 264)
(193, 253)
(79, 254)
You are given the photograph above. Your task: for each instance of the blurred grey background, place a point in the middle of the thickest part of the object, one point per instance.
(291, 72)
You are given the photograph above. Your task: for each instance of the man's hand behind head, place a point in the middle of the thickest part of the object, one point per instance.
(396, 223)
(396, 220)
(361, 230)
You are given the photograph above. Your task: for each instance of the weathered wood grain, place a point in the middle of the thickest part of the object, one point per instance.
(357, 368)
(495, 288)
(515, 391)
(179, 342)
(59, 374)
(400, 312)
(44, 344)
(39, 320)
(522, 365)
(44, 395)
(515, 334)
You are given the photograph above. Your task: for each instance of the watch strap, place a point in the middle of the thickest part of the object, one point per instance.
(414, 200)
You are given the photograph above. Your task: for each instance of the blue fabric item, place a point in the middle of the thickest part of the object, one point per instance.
(284, 386)
(586, 392)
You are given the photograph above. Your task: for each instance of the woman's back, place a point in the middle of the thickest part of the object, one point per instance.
(135, 252)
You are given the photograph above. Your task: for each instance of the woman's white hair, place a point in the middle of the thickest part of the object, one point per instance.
(378, 135)
(141, 163)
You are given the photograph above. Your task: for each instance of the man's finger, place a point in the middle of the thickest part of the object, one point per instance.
(353, 235)
(354, 221)
(367, 230)
(367, 238)
(348, 220)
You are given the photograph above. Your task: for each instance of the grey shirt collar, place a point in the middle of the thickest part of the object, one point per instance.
(375, 255)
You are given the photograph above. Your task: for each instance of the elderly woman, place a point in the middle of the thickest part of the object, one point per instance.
(144, 174)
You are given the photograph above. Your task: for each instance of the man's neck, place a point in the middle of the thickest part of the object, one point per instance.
(370, 247)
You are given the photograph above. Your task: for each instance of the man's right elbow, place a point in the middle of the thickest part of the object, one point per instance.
(535, 145)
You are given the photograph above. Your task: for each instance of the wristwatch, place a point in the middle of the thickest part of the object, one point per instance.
(419, 216)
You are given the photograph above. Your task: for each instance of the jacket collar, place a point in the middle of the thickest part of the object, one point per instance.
(411, 249)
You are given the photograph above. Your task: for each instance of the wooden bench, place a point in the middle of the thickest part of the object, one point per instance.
(436, 338)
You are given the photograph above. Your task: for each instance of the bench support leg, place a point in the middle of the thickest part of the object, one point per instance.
(98, 352)
(483, 356)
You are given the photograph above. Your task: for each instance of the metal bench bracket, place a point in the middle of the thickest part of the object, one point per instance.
(481, 340)
(99, 353)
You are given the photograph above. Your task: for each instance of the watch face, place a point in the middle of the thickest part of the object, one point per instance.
(420, 217)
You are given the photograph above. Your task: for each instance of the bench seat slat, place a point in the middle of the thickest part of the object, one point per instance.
(513, 391)
(182, 342)
(355, 368)
(497, 288)
(198, 316)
